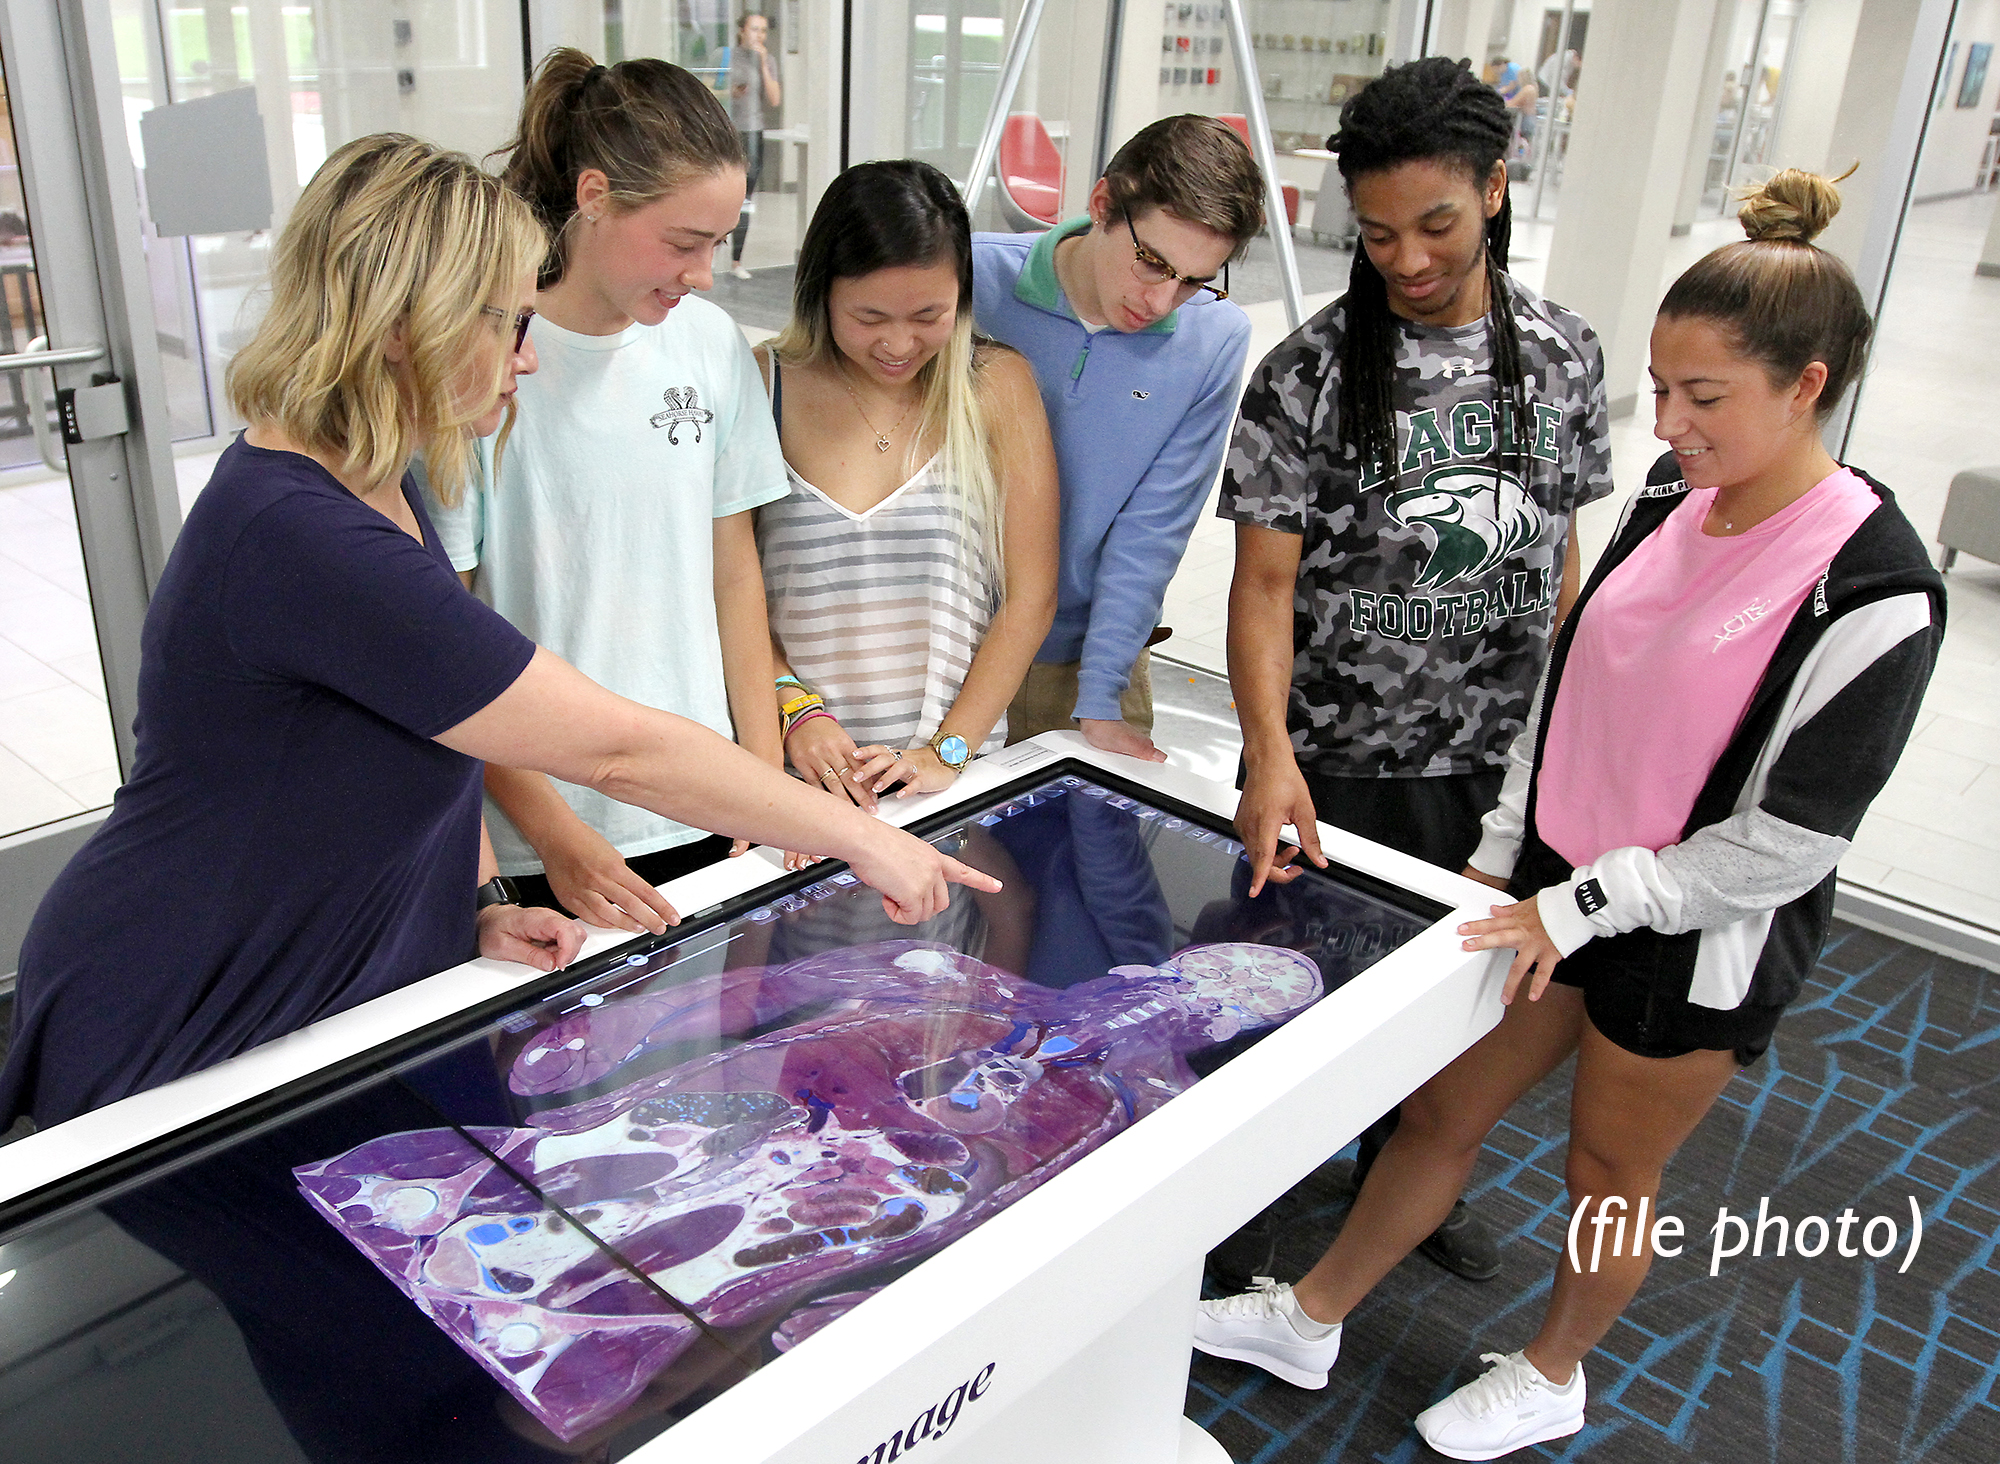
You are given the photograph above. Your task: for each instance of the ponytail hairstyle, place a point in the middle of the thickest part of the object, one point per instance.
(888, 215)
(391, 231)
(1786, 301)
(1433, 109)
(649, 126)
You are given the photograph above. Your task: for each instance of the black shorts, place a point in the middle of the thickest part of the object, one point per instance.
(1644, 1008)
(1434, 819)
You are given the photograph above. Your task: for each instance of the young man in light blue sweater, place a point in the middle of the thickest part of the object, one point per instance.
(1140, 362)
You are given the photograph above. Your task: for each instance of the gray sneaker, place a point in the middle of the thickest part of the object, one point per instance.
(1264, 1327)
(1509, 1408)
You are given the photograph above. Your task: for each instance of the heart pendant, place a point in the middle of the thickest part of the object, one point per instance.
(881, 443)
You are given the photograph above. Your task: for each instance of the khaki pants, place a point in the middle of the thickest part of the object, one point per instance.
(1048, 695)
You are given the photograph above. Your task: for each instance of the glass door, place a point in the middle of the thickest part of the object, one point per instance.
(322, 75)
(955, 53)
(85, 524)
(1760, 88)
(57, 755)
(1750, 103)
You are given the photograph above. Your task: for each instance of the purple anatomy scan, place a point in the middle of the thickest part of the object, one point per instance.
(925, 1091)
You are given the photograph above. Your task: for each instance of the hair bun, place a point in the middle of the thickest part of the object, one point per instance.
(1791, 204)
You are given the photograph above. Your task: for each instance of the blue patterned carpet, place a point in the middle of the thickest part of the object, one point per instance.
(1883, 1084)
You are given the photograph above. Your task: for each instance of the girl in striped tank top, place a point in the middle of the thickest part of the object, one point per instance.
(910, 571)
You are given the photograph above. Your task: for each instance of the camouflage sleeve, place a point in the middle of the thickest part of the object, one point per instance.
(1587, 456)
(1265, 476)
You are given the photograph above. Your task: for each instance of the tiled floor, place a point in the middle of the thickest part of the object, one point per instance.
(1934, 838)
(57, 757)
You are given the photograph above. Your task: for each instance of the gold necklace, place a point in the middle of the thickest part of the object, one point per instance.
(881, 438)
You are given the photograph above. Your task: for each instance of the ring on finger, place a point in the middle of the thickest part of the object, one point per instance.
(826, 773)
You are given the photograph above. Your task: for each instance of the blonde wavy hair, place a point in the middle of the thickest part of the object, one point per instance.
(882, 215)
(390, 231)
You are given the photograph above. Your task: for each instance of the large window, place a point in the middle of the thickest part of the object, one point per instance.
(323, 74)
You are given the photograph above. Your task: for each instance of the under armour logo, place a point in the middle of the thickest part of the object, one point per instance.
(1456, 366)
(683, 406)
(1140, 396)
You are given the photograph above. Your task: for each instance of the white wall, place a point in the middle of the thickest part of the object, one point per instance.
(878, 111)
(1815, 70)
(1882, 39)
(815, 105)
(1956, 137)
(1523, 30)
(1067, 72)
(1460, 28)
(1635, 107)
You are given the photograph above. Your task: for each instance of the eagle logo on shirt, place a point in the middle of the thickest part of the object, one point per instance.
(1476, 520)
(683, 408)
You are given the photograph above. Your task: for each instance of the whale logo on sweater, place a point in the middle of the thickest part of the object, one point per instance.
(1476, 520)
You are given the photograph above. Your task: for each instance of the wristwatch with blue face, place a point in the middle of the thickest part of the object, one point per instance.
(951, 749)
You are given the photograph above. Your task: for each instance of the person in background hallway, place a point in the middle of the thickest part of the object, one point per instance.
(1555, 87)
(753, 86)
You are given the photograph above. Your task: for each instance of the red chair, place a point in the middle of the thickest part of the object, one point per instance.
(1242, 125)
(1031, 174)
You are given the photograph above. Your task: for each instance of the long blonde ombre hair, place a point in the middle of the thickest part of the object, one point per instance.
(883, 215)
(390, 231)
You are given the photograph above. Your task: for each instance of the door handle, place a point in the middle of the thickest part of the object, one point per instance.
(39, 357)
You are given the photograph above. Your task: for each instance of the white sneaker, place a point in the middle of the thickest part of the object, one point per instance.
(1265, 1327)
(1509, 1408)
(740, 272)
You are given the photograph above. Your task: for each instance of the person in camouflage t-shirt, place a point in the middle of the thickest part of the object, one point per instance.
(1425, 594)
(1404, 475)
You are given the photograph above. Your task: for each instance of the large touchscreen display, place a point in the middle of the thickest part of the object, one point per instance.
(618, 1198)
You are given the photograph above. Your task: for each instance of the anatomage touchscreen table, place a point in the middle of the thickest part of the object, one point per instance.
(588, 1215)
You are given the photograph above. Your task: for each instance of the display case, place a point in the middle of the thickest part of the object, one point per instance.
(1312, 55)
(789, 1182)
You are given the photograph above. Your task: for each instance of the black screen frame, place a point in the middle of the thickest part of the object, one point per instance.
(151, 1158)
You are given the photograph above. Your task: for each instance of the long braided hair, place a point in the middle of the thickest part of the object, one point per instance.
(1429, 109)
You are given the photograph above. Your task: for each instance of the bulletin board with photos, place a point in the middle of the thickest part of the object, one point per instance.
(1196, 69)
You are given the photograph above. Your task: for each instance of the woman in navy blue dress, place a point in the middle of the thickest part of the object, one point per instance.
(317, 691)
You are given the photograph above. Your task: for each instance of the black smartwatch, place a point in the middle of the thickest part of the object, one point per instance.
(498, 890)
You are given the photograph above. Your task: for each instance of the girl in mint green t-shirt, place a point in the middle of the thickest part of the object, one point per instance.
(617, 532)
